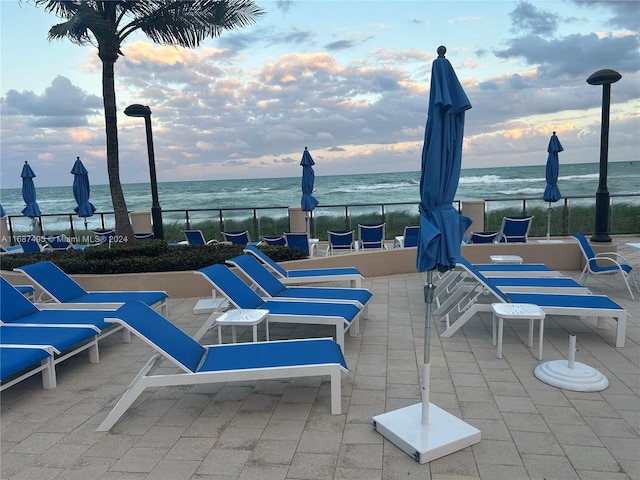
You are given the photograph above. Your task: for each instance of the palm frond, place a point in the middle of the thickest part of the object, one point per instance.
(188, 22)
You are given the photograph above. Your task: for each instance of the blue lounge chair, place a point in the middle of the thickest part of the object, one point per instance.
(144, 236)
(236, 238)
(598, 306)
(16, 309)
(483, 237)
(67, 339)
(63, 289)
(10, 249)
(515, 229)
(19, 362)
(274, 240)
(200, 364)
(604, 263)
(105, 236)
(30, 244)
(196, 237)
(511, 270)
(27, 290)
(299, 240)
(371, 236)
(340, 241)
(307, 275)
(409, 238)
(273, 288)
(61, 242)
(341, 316)
(461, 281)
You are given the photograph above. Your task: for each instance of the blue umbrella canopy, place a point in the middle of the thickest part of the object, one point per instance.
(31, 210)
(441, 227)
(551, 192)
(81, 190)
(308, 202)
(2, 212)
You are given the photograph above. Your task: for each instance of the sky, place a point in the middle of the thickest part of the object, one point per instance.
(347, 79)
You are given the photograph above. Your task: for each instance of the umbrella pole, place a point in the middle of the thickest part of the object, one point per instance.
(549, 222)
(429, 290)
(423, 430)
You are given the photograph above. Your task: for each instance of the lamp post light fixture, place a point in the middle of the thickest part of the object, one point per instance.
(137, 110)
(605, 78)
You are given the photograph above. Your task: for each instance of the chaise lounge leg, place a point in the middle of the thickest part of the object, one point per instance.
(336, 392)
(49, 374)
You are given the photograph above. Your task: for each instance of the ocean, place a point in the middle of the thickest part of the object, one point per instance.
(477, 183)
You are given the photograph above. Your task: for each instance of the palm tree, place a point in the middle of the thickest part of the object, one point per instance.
(106, 24)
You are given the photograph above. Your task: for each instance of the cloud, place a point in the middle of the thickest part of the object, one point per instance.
(339, 45)
(61, 105)
(528, 19)
(625, 14)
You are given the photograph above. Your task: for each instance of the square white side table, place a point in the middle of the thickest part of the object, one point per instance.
(506, 259)
(243, 316)
(517, 311)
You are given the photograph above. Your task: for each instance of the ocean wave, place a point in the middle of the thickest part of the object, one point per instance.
(376, 186)
(495, 179)
(521, 192)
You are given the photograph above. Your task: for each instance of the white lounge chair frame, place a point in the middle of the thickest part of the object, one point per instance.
(146, 379)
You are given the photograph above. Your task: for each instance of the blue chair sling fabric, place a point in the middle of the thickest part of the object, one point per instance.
(63, 289)
(340, 240)
(298, 240)
(515, 229)
(483, 237)
(308, 275)
(274, 240)
(411, 234)
(371, 236)
(196, 237)
(29, 244)
(221, 363)
(237, 238)
(18, 362)
(58, 242)
(105, 235)
(273, 287)
(15, 308)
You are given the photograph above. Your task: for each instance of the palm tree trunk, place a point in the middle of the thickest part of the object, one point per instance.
(124, 231)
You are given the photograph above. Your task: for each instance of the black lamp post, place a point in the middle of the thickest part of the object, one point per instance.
(605, 78)
(138, 110)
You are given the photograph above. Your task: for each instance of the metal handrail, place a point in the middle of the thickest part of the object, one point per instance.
(381, 210)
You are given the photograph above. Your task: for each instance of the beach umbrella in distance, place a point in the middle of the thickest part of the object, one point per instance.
(81, 191)
(551, 192)
(32, 209)
(308, 201)
(425, 431)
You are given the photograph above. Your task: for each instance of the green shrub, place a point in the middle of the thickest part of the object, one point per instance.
(145, 256)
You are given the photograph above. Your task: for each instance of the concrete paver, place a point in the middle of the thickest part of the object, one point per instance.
(282, 429)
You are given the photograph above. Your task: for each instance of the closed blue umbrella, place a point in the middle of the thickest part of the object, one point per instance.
(441, 231)
(551, 192)
(31, 210)
(308, 201)
(81, 191)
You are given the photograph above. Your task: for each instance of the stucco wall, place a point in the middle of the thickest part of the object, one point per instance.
(559, 256)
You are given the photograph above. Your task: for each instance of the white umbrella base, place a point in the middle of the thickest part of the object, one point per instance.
(580, 378)
(443, 435)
